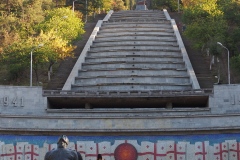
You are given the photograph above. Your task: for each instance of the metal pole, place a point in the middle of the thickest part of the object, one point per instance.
(73, 6)
(229, 82)
(228, 68)
(178, 6)
(40, 45)
(31, 70)
(86, 12)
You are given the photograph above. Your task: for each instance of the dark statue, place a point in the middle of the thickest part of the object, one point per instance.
(62, 152)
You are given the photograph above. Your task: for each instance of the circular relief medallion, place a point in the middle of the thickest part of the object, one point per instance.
(125, 151)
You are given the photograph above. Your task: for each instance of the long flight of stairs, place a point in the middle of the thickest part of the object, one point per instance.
(134, 51)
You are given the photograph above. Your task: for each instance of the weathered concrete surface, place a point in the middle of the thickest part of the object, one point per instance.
(131, 41)
(222, 113)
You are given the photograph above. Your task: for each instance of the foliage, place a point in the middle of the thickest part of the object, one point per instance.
(10, 6)
(62, 20)
(26, 24)
(16, 58)
(205, 24)
(212, 21)
(118, 5)
(8, 30)
(93, 5)
(17, 55)
(235, 62)
(107, 5)
(165, 4)
(232, 13)
(204, 31)
(55, 48)
(129, 4)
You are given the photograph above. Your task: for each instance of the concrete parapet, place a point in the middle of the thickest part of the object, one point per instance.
(221, 114)
(166, 14)
(191, 72)
(106, 18)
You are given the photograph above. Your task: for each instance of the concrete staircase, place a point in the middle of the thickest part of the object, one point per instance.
(134, 51)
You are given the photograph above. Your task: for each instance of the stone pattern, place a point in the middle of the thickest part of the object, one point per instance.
(161, 150)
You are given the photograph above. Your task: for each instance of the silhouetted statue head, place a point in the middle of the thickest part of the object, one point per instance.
(63, 141)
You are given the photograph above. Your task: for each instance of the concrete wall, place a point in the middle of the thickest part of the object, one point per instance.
(22, 100)
(225, 99)
(23, 109)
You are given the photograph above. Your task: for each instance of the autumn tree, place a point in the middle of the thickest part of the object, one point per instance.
(56, 29)
(67, 24)
(118, 5)
(60, 27)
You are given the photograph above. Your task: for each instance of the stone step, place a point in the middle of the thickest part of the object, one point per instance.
(138, 15)
(145, 33)
(149, 55)
(133, 71)
(131, 79)
(153, 29)
(155, 65)
(133, 59)
(142, 14)
(135, 18)
(137, 53)
(138, 38)
(138, 12)
(135, 48)
(134, 52)
(163, 23)
(136, 27)
(132, 87)
(133, 43)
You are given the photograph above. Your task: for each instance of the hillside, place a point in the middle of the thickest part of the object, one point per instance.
(65, 67)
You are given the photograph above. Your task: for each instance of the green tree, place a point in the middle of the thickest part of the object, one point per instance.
(55, 49)
(172, 5)
(21, 32)
(94, 5)
(118, 5)
(15, 58)
(66, 24)
(10, 6)
(8, 30)
(17, 55)
(107, 5)
(205, 24)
